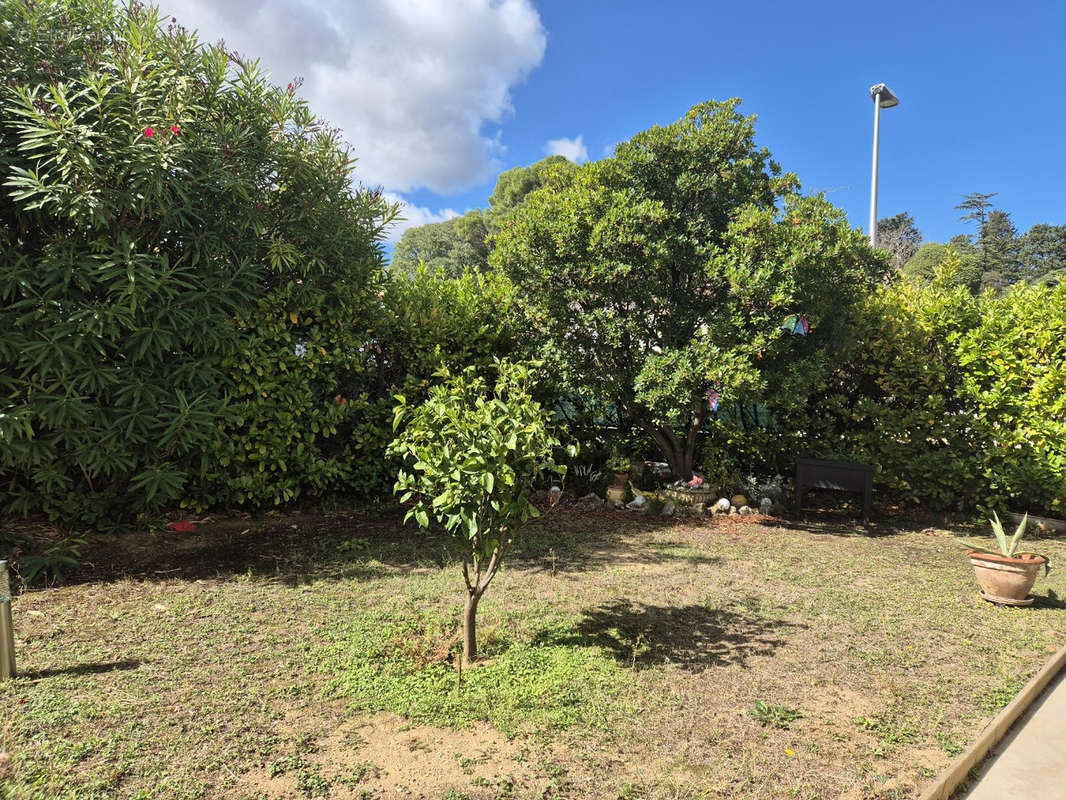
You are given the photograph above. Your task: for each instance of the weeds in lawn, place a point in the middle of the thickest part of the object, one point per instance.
(774, 716)
(358, 773)
(387, 662)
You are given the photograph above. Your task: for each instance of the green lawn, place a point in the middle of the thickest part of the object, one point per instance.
(625, 656)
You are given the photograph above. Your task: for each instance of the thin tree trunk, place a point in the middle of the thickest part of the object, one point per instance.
(470, 627)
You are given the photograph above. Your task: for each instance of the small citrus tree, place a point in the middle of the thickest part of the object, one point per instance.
(470, 455)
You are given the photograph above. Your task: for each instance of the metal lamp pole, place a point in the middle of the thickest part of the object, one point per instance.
(7, 630)
(883, 98)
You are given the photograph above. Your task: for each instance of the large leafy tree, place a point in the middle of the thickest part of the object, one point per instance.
(451, 246)
(922, 266)
(1042, 251)
(666, 272)
(153, 190)
(514, 185)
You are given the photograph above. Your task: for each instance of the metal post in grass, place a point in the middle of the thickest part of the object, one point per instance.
(7, 629)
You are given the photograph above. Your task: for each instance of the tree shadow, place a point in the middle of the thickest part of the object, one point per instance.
(694, 637)
(295, 548)
(836, 522)
(829, 512)
(80, 669)
(292, 549)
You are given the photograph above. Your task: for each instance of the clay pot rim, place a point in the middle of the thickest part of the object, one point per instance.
(1021, 558)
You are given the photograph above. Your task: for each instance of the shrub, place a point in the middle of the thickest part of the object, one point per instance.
(153, 191)
(310, 408)
(436, 320)
(1014, 379)
(896, 400)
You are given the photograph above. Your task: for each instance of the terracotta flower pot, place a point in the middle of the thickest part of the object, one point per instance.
(616, 494)
(1006, 580)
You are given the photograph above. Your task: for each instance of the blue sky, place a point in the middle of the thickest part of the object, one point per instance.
(438, 96)
(981, 86)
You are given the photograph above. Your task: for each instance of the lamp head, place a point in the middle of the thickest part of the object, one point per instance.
(883, 96)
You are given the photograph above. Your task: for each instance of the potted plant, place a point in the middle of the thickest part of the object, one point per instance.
(1005, 575)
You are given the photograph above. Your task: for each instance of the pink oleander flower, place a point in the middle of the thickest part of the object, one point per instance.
(175, 129)
(149, 132)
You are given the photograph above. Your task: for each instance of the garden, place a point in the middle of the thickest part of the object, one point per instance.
(285, 522)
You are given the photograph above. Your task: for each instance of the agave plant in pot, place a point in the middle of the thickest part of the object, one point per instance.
(1004, 574)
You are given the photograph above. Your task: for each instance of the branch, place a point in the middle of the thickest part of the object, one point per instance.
(700, 411)
(466, 576)
(494, 564)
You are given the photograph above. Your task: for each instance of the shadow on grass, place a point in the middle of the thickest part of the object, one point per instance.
(292, 549)
(694, 637)
(837, 522)
(297, 548)
(589, 541)
(80, 669)
(840, 514)
(1050, 600)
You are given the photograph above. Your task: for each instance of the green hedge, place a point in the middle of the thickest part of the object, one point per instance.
(960, 400)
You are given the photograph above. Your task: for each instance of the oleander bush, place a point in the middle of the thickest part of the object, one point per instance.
(156, 195)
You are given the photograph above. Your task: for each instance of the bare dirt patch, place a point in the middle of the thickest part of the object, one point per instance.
(382, 755)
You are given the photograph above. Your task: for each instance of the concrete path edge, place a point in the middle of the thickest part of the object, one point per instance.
(996, 729)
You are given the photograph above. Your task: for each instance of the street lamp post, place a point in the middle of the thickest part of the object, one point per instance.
(883, 98)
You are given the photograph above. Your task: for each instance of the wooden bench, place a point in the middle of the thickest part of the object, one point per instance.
(843, 476)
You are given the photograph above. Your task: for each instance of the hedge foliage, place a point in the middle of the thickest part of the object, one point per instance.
(960, 400)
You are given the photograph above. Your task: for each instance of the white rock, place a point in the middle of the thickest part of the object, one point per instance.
(669, 509)
(745, 510)
(637, 502)
(732, 510)
(765, 505)
(722, 505)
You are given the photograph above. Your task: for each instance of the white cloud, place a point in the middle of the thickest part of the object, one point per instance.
(574, 149)
(412, 83)
(413, 216)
